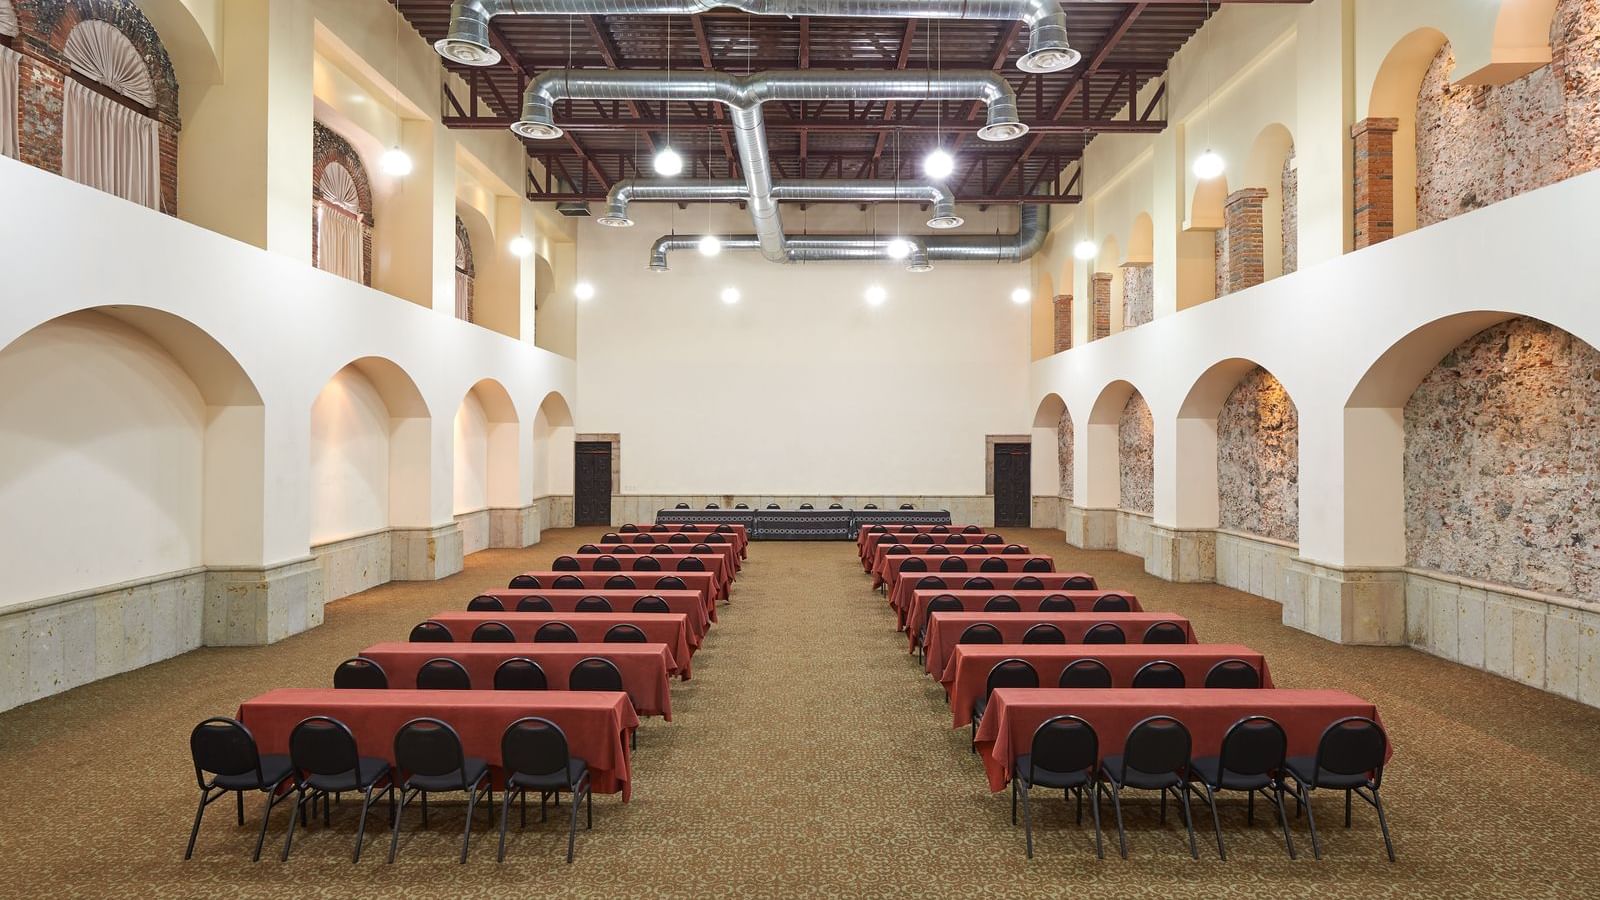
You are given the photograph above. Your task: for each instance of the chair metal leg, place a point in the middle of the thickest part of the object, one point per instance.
(1383, 825)
(1099, 850)
(588, 799)
(1116, 804)
(424, 810)
(505, 813)
(399, 813)
(1216, 821)
(1027, 820)
(572, 830)
(1250, 808)
(1283, 817)
(300, 808)
(522, 799)
(238, 797)
(361, 826)
(200, 811)
(466, 833)
(1304, 798)
(1078, 815)
(1347, 807)
(1013, 798)
(266, 816)
(1163, 807)
(1188, 821)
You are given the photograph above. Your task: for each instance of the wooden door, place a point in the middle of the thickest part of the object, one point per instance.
(1013, 487)
(592, 483)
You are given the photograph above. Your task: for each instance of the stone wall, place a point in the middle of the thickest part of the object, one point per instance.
(1480, 145)
(1064, 453)
(1258, 459)
(1220, 261)
(1136, 469)
(1291, 215)
(1502, 462)
(1138, 295)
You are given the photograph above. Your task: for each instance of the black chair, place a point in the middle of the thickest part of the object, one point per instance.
(714, 539)
(643, 539)
(953, 564)
(941, 603)
(662, 549)
(907, 506)
(588, 548)
(629, 529)
(1043, 633)
(908, 529)
(1037, 564)
(680, 538)
(481, 603)
(1155, 757)
(701, 548)
(976, 550)
(930, 583)
(1061, 757)
(773, 506)
(972, 529)
(993, 564)
(1350, 756)
(955, 539)
(741, 506)
(1165, 633)
(1105, 633)
(939, 529)
(227, 751)
(978, 584)
(624, 550)
(326, 760)
(690, 564)
(836, 506)
(493, 633)
(876, 529)
(428, 754)
(610, 537)
(914, 565)
(992, 539)
(430, 632)
(595, 673)
(670, 583)
(625, 634)
(1078, 583)
(870, 506)
(524, 582)
(681, 506)
(651, 605)
(1085, 673)
(555, 633)
(534, 756)
(936, 550)
(1233, 673)
(923, 539)
(607, 563)
(520, 674)
(807, 506)
(592, 604)
(688, 529)
(1028, 583)
(1057, 603)
(1158, 673)
(443, 674)
(659, 529)
(712, 506)
(1251, 760)
(1014, 550)
(1007, 673)
(1002, 603)
(897, 550)
(359, 673)
(1112, 603)
(646, 564)
(981, 633)
(567, 583)
(620, 583)
(534, 604)
(565, 564)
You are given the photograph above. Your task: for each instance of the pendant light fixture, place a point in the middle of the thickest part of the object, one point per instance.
(938, 164)
(1209, 164)
(396, 162)
(667, 161)
(898, 247)
(710, 245)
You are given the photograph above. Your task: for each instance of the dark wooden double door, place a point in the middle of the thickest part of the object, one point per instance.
(591, 483)
(1013, 485)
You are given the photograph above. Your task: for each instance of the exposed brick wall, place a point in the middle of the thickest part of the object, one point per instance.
(1480, 145)
(1064, 445)
(1101, 307)
(1244, 230)
(1374, 177)
(1502, 462)
(1138, 295)
(1291, 215)
(39, 102)
(1136, 465)
(1258, 459)
(328, 147)
(1063, 322)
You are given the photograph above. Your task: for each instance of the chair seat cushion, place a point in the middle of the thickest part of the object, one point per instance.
(1300, 767)
(1047, 778)
(274, 768)
(551, 780)
(369, 770)
(474, 770)
(1207, 769)
(1149, 781)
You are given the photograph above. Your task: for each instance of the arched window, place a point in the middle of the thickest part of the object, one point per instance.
(464, 272)
(109, 137)
(9, 61)
(340, 248)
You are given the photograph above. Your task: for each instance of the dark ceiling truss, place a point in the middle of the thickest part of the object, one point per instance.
(1119, 87)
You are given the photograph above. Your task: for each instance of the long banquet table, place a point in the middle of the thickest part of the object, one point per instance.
(915, 614)
(691, 603)
(900, 592)
(738, 535)
(671, 629)
(645, 547)
(908, 530)
(871, 542)
(703, 582)
(888, 570)
(976, 552)
(945, 628)
(596, 723)
(717, 564)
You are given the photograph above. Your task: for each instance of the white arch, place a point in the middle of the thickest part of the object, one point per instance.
(552, 447)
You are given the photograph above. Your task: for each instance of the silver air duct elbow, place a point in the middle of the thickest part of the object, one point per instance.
(798, 189)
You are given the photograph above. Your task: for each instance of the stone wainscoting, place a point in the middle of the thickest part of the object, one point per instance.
(554, 511)
(1048, 512)
(354, 564)
(639, 508)
(474, 531)
(1133, 533)
(1253, 564)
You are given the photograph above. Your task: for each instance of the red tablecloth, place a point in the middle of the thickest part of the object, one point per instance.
(739, 534)
(671, 629)
(719, 566)
(880, 553)
(643, 547)
(945, 628)
(915, 613)
(867, 542)
(703, 582)
(967, 673)
(691, 603)
(887, 570)
(1208, 713)
(596, 723)
(644, 667)
(865, 535)
(900, 592)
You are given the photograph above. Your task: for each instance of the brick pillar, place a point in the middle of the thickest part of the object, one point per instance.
(40, 89)
(1243, 230)
(1374, 176)
(1101, 307)
(1063, 308)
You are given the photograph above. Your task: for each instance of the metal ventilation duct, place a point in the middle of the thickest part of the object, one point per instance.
(1048, 51)
(819, 189)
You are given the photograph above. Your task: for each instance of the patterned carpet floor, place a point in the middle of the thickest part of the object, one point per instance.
(808, 758)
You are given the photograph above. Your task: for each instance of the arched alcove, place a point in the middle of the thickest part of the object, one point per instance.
(487, 460)
(1102, 449)
(1052, 474)
(343, 218)
(1394, 96)
(1238, 453)
(1109, 263)
(1268, 168)
(552, 447)
(1138, 274)
(1198, 249)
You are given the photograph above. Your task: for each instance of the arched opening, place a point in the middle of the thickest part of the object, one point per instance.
(1107, 307)
(1271, 168)
(552, 457)
(1138, 274)
(137, 439)
(1102, 448)
(465, 272)
(1052, 477)
(488, 469)
(1394, 96)
(1199, 248)
(342, 208)
(544, 281)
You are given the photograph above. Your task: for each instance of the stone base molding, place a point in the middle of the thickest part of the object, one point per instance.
(1253, 564)
(636, 508)
(1182, 554)
(1090, 529)
(246, 606)
(1133, 533)
(425, 554)
(474, 531)
(1045, 512)
(1345, 605)
(354, 564)
(555, 511)
(513, 527)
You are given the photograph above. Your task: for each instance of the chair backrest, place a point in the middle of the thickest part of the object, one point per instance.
(611, 537)
(567, 583)
(976, 550)
(712, 506)
(773, 506)
(946, 603)
(321, 745)
(936, 550)
(555, 633)
(701, 548)
(1078, 583)
(897, 550)
(1064, 744)
(741, 506)
(646, 564)
(1085, 673)
(981, 633)
(914, 565)
(930, 583)
(620, 583)
(534, 746)
(1166, 633)
(1011, 673)
(807, 506)
(428, 746)
(651, 604)
(223, 746)
(953, 564)
(907, 506)
(1037, 564)
(1233, 673)
(876, 529)
(939, 529)
(595, 674)
(992, 539)
(624, 550)
(1014, 549)
(1157, 745)
(680, 538)
(662, 549)
(588, 548)
(993, 564)
(443, 674)
(1028, 583)
(691, 564)
(431, 632)
(1002, 603)
(669, 583)
(681, 506)
(1057, 603)
(1254, 745)
(565, 564)
(1105, 633)
(624, 634)
(524, 582)
(908, 529)
(520, 674)
(659, 529)
(955, 539)
(482, 603)
(534, 604)
(870, 506)
(922, 539)
(493, 633)
(714, 539)
(592, 604)
(1112, 603)
(972, 529)
(688, 529)
(643, 538)
(1043, 633)
(836, 506)
(629, 529)
(978, 584)
(360, 673)
(1158, 673)
(607, 563)
(1351, 746)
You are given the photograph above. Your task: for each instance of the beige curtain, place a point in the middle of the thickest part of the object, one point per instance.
(339, 245)
(463, 296)
(8, 102)
(105, 55)
(108, 146)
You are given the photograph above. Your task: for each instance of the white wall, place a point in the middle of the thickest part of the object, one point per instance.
(787, 391)
(472, 457)
(349, 459)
